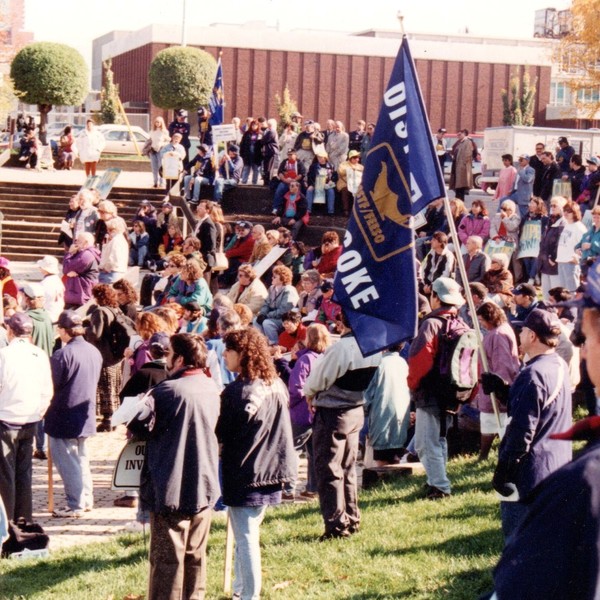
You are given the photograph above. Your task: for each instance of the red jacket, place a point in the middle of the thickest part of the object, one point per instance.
(328, 262)
(241, 249)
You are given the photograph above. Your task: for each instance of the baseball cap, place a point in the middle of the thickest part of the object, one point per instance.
(441, 130)
(182, 112)
(448, 291)
(4, 262)
(296, 115)
(309, 122)
(145, 203)
(353, 153)
(166, 205)
(48, 264)
(525, 289)
(160, 339)
(541, 322)
(69, 318)
(563, 140)
(201, 111)
(291, 151)
(20, 323)
(243, 224)
(593, 160)
(524, 156)
(34, 290)
(203, 147)
(234, 148)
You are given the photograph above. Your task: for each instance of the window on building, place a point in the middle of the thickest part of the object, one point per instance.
(560, 94)
(588, 95)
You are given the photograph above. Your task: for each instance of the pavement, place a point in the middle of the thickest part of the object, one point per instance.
(127, 179)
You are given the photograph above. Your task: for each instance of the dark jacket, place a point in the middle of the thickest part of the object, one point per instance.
(526, 449)
(561, 530)
(207, 234)
(180, 472)
(313, 171)
(251, 153)
(75, 373)
(98, 332)
(551, 172)
(549, 247)
(300, 205)
(150, 374)
(255, 431)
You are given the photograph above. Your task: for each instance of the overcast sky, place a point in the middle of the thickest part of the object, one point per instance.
(78, 22)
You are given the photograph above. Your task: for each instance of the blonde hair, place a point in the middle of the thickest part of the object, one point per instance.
(317, 338)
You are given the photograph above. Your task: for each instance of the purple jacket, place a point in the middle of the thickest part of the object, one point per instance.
(472, 225)
(299, 412)
(78, 290)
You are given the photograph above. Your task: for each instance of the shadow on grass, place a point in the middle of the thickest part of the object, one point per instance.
(33, 577)
(462, 545)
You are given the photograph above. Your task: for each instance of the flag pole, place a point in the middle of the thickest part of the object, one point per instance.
(469, 297)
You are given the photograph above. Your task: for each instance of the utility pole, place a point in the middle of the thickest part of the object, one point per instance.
(183, 40)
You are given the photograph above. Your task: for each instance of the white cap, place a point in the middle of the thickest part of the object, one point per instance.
(49, 264)
(34, 290)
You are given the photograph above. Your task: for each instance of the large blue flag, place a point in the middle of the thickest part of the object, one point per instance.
(376, 281)
(217, 99)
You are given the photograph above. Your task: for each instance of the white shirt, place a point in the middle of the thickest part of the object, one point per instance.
(25, 382)
(570, 236)
(54, 294)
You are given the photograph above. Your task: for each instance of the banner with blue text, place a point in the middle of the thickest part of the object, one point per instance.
(376, 280)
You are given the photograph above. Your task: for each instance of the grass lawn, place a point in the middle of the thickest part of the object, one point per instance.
(408, 547)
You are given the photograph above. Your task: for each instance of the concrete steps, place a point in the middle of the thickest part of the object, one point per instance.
(33, 213)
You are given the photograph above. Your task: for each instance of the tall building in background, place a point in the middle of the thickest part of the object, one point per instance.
(12, 34)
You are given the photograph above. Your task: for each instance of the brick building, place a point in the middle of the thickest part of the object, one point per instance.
(336, 75)
(12, 36)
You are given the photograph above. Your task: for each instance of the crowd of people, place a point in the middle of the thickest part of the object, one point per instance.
(249, 367)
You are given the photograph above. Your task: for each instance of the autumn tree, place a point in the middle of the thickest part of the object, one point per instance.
(519, 101)
(286, 106)
(49, 74)
(579, 54)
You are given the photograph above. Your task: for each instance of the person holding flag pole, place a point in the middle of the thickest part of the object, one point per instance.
(402, 176)
(216, 105)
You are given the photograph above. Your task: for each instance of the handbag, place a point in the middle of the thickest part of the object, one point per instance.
(24, 536)
(221, 261)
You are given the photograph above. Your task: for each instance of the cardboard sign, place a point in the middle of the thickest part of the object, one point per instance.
(223, 133)
(263, 265)
(128, 470)
(499, 247)
(102, 184)
(529, 242)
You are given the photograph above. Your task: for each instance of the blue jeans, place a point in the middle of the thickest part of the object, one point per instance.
(530, 266)
(221, 185)
(71, 460)
(155, 164)
(271, 328)
(40, 436)
(432, 448)
(110, 277)
(198, 183)
(329, 197)
(245, 522)
(280, 192)
(246, 173)
(569, 274)
(137, 256)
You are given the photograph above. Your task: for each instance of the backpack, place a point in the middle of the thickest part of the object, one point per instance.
(121, 330)
(457, 363)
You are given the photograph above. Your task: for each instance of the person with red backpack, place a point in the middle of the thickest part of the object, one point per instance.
(434, 386)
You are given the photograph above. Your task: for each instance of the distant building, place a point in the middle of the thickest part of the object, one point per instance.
(342, 76)
(12, 36)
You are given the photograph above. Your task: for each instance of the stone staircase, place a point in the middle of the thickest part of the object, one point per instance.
(33, 214)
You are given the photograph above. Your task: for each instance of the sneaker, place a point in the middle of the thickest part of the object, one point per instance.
(305, 495)
(134, 527)
(28, 166)
(23, 158)
(67, 513)
(285, 497)
(40, 455)
(436, 494)
(126, 502)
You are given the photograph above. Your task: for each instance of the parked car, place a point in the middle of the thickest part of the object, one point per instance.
(120, 141)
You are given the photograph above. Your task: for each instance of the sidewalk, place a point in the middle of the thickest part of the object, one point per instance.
(126, 179)
(105, 519)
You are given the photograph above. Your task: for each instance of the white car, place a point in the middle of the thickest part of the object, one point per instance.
(120, 141)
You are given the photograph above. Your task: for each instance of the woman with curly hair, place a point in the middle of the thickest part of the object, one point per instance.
(128, 298)
(99, 333)
(146, 324)
(282, 298)
(257, 453)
